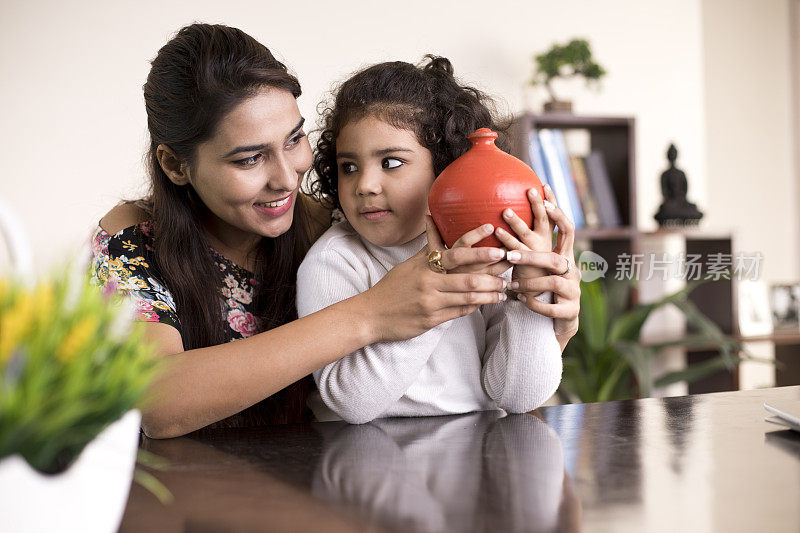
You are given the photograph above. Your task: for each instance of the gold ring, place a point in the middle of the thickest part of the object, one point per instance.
(435, 262)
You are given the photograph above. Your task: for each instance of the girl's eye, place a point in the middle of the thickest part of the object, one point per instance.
(348, 168)
(391, 162)
(249, 161)
(296, 139)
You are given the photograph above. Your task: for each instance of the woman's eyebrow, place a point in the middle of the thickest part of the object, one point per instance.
(376, 153)
(259, 147)
(298, 127)
(250, 148)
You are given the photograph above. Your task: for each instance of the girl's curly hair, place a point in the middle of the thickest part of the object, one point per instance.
(425, 99)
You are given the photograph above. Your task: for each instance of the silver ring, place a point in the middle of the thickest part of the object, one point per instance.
(569, 266)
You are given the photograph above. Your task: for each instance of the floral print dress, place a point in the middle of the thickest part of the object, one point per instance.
(124, 262)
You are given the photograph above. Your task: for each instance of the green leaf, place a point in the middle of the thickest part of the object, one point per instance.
(641, 360)
(619, 292)
(151, 460)
(692, 373)
(610, 383)
(629, 325)
(592, 316)
(153, 485)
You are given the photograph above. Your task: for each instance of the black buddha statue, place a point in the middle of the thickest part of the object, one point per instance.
(676, 210)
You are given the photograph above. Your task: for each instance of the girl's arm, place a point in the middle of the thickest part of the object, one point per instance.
(522, 361)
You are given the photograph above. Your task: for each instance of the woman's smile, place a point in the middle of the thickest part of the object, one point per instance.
(275, 208)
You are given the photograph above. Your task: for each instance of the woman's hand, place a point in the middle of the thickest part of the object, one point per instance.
(412, 298)
(457, 260)
(563, 279)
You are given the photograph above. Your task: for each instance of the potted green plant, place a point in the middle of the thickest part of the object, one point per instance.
(565, 61)
(606, 360)
(73, 370)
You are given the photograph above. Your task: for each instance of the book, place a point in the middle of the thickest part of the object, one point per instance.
(536, 158)
(563, 158)
(585, 195)
(555, 173)
(600, 184)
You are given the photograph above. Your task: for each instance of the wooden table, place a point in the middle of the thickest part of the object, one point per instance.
(694, 463)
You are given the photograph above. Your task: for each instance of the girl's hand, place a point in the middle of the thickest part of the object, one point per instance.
(412, 298)
(539, 238)
(455, 260)
(566, 288)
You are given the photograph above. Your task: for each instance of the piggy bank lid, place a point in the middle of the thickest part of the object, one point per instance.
(482, 137)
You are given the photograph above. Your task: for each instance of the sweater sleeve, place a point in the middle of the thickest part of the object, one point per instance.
(522, 361)
(362, 385)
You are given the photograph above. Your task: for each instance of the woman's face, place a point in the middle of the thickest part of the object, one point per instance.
(384, 179)
(248, 174)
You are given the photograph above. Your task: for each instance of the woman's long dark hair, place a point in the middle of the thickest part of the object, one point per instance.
(196, 79)
(427, 100)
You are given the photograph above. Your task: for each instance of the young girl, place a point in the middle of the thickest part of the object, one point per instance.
(390, 131)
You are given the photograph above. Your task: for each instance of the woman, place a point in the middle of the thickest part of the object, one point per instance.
(224, 216)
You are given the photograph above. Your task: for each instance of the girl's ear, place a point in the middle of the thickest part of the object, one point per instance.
(172, 166)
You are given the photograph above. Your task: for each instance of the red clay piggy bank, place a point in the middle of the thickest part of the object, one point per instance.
(475, 188)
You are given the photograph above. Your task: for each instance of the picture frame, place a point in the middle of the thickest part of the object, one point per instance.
(785, 305)
(753, 308)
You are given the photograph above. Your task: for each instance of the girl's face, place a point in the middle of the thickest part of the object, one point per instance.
(248, 174)
(384, 178)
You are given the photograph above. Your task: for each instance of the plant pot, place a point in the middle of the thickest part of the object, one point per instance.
(475, 188)
(90, 496)
(558, 106)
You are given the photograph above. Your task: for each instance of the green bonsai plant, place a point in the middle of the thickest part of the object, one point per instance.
(606, 359)
(565, 61)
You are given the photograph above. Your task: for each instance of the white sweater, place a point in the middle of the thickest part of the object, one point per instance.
(501, 356)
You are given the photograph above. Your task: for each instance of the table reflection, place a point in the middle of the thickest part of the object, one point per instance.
(696, 463)
(473, 472)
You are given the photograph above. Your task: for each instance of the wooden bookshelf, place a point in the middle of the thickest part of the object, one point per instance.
(616, 138)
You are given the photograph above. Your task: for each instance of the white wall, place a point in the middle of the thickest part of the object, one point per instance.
(74, 128)
(749, 128)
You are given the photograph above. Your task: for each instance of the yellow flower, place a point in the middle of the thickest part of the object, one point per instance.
(9, 336)
(76, 339)
(128, 245)
(43, 297)
(15, 323)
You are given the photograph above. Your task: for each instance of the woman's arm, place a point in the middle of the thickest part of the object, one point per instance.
(202, 386)
(199, 387)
